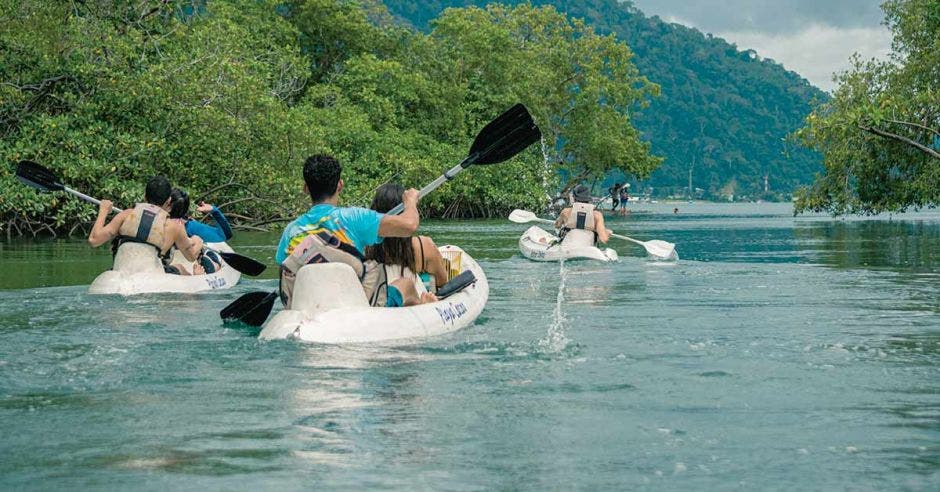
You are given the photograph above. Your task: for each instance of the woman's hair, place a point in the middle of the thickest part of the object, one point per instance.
(392, 250)
(179, 204)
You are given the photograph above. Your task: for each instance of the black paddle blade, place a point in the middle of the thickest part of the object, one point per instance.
(252, 308)
(37, 176)
(244, 264)
(504, 137)
(456, 284)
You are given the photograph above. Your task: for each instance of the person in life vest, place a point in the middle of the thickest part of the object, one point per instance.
(330, 233)
(209, 262)
(581, 215)
(147, 222)
(406, 261)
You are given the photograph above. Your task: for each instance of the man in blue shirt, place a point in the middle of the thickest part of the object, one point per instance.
(353, 226)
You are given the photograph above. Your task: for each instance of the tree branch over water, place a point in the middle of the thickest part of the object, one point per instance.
(895, 100)
(881, 133)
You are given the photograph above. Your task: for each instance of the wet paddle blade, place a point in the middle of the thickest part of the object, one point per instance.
(37, 176)
(521, 216)
(661, 249)
(252, 308)
(248, 266)
(504, 137)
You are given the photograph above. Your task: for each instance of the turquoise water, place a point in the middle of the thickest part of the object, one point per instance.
(779, 353)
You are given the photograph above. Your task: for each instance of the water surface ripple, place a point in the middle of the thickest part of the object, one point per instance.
(780, 353)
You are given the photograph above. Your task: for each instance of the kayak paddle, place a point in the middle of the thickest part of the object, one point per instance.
(660, 249)
(502, 138)
(252, 308)
(43, 179)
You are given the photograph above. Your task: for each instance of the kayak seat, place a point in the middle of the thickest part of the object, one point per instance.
(135, 257)
(578, 238)
(324, 286)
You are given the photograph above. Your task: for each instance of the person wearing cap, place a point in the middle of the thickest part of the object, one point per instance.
(581, 215)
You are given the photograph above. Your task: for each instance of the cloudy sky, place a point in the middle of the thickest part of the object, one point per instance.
(811, 37)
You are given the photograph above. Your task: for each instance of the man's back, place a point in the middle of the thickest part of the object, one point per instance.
(358, 227)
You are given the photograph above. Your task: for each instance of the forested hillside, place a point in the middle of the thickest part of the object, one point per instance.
(227, 97)
(723, 111)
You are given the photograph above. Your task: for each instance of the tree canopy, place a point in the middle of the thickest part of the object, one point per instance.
(723, 111)
(226, 98)
(880, 133)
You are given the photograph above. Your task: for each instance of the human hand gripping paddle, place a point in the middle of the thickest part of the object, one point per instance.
(660, 249)
(502, 138)
(43, 179)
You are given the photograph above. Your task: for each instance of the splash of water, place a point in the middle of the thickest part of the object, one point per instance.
(556, 340)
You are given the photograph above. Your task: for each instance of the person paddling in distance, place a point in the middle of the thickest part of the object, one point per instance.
(582, 216)
(147, 223)
(330, 233)
(405, 260)
(209, 262)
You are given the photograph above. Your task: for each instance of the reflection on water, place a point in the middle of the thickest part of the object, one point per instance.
(799, 351)
(912, 246)
(764, 233)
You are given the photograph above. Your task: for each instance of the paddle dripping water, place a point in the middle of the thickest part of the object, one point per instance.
(548, 171)
(556, 340)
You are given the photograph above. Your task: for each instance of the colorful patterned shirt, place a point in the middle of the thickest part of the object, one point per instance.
(352, 225)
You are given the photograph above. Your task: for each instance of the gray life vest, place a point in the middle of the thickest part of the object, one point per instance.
(324, 247)
(146, 224)
(581, 217)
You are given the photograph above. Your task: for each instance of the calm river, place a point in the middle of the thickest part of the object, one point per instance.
(779, 353)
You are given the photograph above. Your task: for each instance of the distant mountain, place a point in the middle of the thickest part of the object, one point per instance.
(723, 112)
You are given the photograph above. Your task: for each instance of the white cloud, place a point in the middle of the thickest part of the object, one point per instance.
(817, 51)
(672, 19)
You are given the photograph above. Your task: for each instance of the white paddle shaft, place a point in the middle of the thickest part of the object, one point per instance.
(618, 236)
(660, 249)
(433, 185)
(89, 199)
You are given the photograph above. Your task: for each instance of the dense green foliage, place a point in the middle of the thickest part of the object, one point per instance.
(227, 97)
(110, 93)
(723, 111)
(880, 134)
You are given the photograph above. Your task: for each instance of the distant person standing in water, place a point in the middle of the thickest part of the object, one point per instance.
(624, 199)
(615, 195)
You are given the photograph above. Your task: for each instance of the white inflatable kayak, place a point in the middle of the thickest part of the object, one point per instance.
(137, 270)
(540, 245)
(329, 306)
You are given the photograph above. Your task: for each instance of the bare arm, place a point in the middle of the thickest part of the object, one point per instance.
(603, 235)
(433, 262)
(404, 224)
(562, 218)
(189, 246)
(101, 232)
